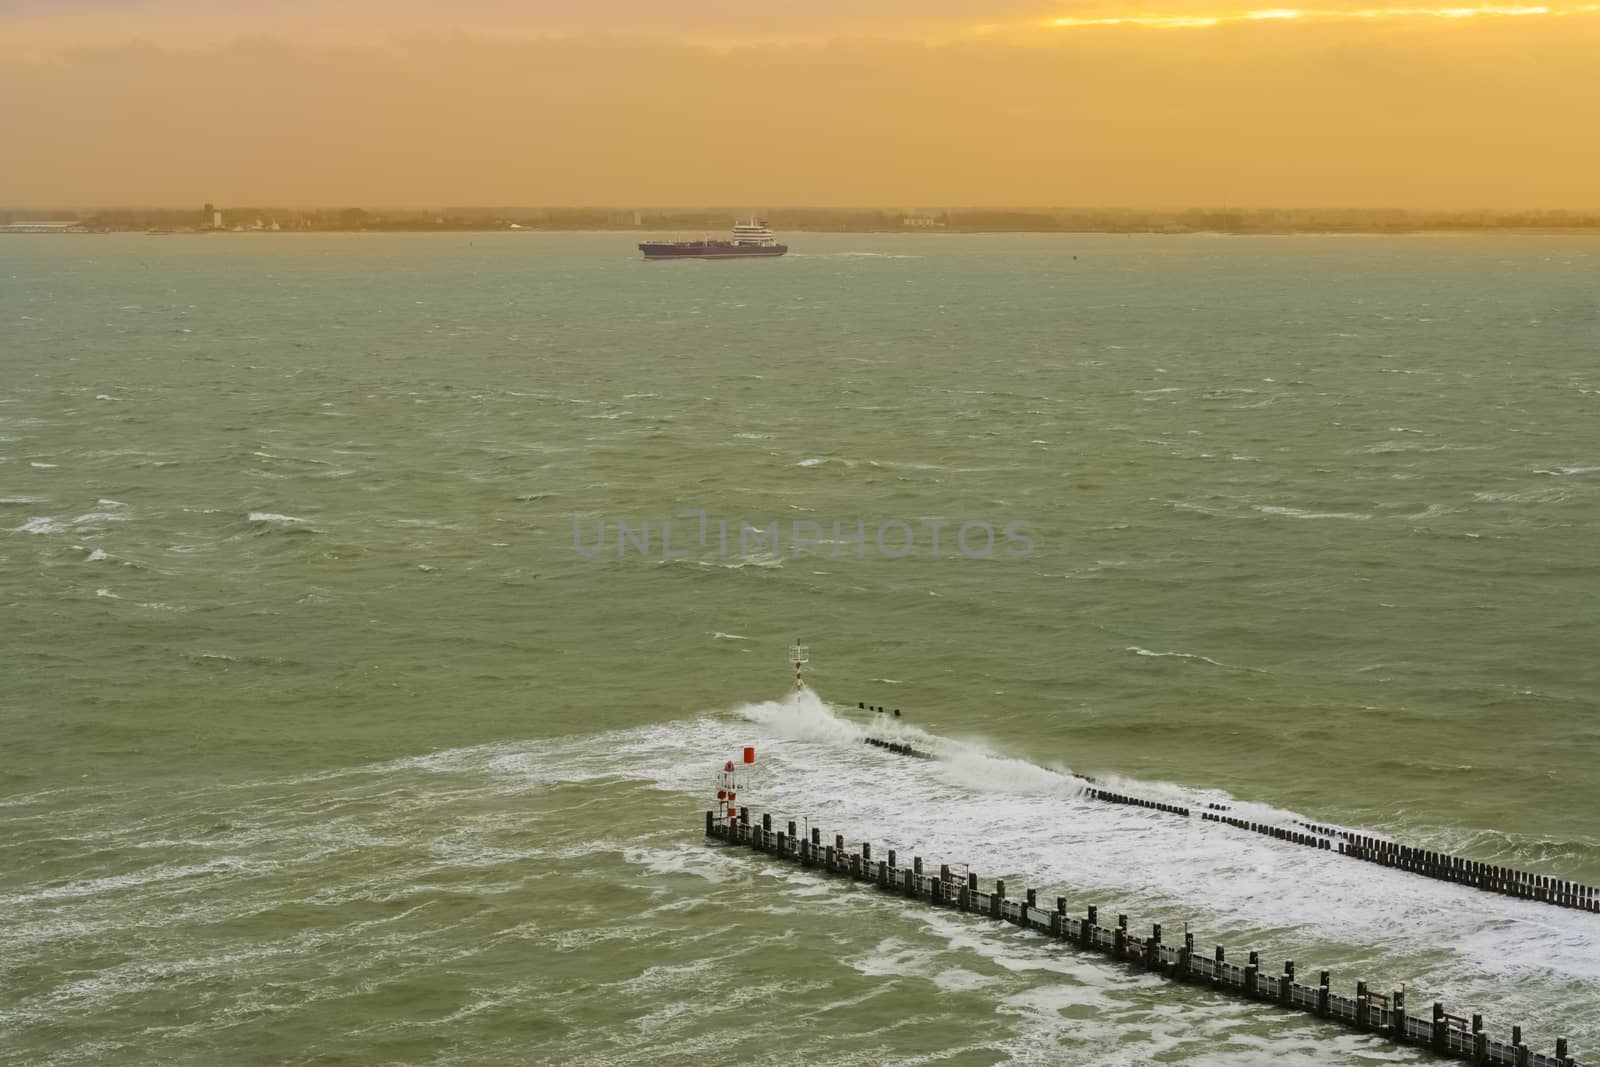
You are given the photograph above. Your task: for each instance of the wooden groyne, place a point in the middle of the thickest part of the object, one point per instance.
(1437, 865)
(1446, 868)
(897, 747)
(1385, 1014)
(1490, 878)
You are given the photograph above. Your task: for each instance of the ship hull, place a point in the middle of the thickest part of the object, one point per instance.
(711, 250)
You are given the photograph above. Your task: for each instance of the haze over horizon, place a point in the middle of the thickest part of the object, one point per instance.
(944, 102)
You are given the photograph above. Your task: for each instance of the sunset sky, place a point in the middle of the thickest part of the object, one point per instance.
(1135, 103)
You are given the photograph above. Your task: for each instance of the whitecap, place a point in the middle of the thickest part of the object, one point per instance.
(720, 636)
(44, 466)
(1136, 650)
(42, 524)
(274, 517)
(95, 556)
(812, 462)
(94, 517)
(1298, 513)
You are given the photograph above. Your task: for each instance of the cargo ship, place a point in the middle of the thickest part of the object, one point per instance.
(751, 238)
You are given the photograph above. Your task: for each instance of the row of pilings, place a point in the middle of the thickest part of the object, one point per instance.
(1447, 1035)
(1441, 866)
(897, 747)
(1431, 864)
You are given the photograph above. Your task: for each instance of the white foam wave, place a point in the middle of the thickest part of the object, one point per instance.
(95, 886)
(96, 518)
(42, 524)
(1300, 513)
(1546, 495)
(972, 804)
(1136, 650)
(274, 517)
(754, 559)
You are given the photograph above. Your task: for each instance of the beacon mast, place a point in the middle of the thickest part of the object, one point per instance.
(799, 655)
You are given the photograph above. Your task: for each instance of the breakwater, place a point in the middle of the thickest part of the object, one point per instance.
(1386, 1014)
(1441, 866)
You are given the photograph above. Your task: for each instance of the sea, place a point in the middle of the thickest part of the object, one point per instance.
(378, 610)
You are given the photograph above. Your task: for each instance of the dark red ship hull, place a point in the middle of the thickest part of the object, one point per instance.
(709, 250)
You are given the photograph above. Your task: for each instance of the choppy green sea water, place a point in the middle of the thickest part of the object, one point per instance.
(323, 739)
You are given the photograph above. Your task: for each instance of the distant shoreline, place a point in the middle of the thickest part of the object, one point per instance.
(688, 233)
(716, 220)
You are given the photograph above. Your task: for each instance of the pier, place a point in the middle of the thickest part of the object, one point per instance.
(1385, 1014)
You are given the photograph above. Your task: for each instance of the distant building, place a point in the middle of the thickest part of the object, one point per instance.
(213, 217)
(921, 222)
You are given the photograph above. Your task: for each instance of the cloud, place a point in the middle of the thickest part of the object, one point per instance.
(1259, 113)
(721, 20)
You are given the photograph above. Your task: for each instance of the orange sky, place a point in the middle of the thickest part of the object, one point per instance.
(773, 102)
